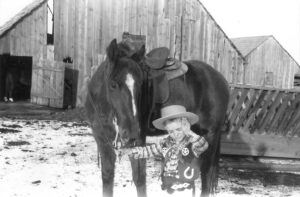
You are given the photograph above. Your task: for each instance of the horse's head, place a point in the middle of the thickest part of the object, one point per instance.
(123, 87)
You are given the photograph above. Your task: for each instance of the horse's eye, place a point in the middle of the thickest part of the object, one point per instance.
(113, 85)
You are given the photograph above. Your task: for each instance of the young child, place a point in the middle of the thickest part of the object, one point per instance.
(179, 149)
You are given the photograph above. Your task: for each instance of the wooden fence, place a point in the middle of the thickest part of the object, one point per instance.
(263, 122)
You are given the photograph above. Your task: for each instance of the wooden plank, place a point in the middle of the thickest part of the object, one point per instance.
(262, 87)
(126, 15)
(294, 118)
(27, 37)
(40, 87)
(253, 96)
(233, 98)
(5, 44)
(144, 24)
(260, 145)
(248, 124)
(52, 84)
(47, 86)
(272, 111)
(264, 111)
(296, 126)
(44, 31)
(65, 30)
(260, 166)
(295, 132)
(237, 108)
(155, 23)
(119, 19)
(265, 119)
(48, 97)
(280, 113)
(287, 114)
(61, 35)
(291, 111)
(22, 46)
(71, 30)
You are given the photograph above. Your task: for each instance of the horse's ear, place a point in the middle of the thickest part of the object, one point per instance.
(112, 50)
(139, 55)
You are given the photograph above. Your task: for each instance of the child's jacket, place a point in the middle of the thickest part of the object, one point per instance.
(180, 167)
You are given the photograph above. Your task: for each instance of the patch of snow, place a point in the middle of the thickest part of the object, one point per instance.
(61, 160)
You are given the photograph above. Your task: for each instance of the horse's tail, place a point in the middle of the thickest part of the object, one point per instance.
(215, 154)
(214, 168)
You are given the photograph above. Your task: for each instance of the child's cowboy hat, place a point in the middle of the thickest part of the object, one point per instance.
(174, 111)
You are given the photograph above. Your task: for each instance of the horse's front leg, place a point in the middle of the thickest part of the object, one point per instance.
(108, 159)
(139, 176)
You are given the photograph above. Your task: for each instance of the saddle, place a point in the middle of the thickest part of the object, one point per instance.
(162, 70)
(159, 61)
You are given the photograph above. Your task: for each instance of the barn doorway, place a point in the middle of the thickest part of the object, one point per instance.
(18, 69)
(70, 87)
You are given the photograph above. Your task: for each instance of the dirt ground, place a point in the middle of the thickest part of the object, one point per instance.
(54, 154)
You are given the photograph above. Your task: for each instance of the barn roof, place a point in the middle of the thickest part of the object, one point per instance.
(21, 15)
(248, 44)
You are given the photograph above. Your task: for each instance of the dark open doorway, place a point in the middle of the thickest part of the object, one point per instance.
(70, 87)
(16, 72)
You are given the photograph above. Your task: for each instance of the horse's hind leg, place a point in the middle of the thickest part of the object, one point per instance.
(108, 159)
(139, 176)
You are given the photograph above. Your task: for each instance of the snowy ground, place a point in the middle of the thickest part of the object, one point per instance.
(54, 158)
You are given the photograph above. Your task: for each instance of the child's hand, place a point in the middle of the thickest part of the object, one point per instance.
(199, 146)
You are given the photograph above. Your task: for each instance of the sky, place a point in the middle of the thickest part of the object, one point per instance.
(242, 18)
(237, 18)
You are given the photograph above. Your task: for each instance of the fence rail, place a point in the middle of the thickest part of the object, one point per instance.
(263, 122)
(264, 110)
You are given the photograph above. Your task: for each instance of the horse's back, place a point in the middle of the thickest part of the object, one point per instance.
(211, 80)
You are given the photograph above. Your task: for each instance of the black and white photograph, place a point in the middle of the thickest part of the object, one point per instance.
(147, 98)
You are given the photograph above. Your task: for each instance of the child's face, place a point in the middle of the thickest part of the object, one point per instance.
(175, 129)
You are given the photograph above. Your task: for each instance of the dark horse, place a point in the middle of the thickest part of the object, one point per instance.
(121, 104)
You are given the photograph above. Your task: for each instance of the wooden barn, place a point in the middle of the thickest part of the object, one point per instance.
(267, 62)
(84, 28)
(27, 51)
(23, 40)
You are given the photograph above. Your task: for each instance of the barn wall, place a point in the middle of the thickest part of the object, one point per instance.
(270, 58)
(28, 37)
(84, 29)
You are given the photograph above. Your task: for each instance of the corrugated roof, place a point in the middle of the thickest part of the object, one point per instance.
(22, 14)
(248, 44)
